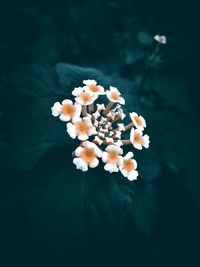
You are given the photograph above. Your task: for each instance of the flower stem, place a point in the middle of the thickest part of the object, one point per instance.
(91, 107)
(128, 126)
(84, 110)
(126, 142)
(108, 107)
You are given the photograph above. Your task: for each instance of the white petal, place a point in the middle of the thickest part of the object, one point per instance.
(143, 121)
(94, 164)
(129, 155)
(146, 141)
(80, 164)
(111, 168)
(114, 89)
(118, 143)
(89, 82)
(71, 130)
(124, 172)
(78, 151)
(64, 117)
(82, 137)
(56, 109)
(137, 146)
(67, 101)
(104, 156)
(121, 101)
(118, 149)
(98, 151)
(133, 115)
(77, 91)
(132, 175)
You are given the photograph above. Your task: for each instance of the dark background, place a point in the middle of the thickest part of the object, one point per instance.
(53, 215)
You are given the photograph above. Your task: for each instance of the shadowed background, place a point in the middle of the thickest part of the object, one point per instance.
(54, 215)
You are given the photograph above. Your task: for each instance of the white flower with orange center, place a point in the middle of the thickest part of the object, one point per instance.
(128, 167)
(84, 98)
(67, 110)
(138, 140)
(115, 96)
(86, 156)
(92, 87)
(112, 157)
(138, 121)
(81, 128)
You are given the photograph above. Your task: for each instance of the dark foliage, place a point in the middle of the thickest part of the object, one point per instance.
(53, 215)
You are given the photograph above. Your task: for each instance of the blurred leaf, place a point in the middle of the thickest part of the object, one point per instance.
(31, 130)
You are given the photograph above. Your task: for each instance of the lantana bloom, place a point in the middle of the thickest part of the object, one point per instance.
(112, 157)
(92, 87)
(128, 167)
(81, 128)
(160, 38)
(87, 155)
(114, 95)
(67, 110)
(139, 121)
(100, 129)
(138, 140)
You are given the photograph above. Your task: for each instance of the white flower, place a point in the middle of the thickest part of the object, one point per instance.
(118, 134)
(67, 110)
(121, 127)
(160, 38)
(138, 140)
(92, 87)
(81, 128)
(100, 107)
(128, 167)
(114, 95)
(118, 143)
(112, 158)
(96, 115)
(83, 97)
(98, 140)
(86, 155)
(138, 121)
(109, 140)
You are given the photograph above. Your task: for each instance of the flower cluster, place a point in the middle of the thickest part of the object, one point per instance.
(99, 129)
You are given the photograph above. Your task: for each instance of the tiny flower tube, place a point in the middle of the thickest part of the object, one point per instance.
(86, 156)
(138, 140)
(81, 128)
(128, 167)
(112, 157)
(67, 110)
(138, 121)
(92, 87)
(83, 97)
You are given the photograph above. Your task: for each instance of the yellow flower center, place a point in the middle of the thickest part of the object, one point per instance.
(138, 121)
(138, 138)
(85, 97)
(88, 155)
(128, 165)
(94, 88)
(68, 109)
(114, 96)
(82, 128)
(113, 157)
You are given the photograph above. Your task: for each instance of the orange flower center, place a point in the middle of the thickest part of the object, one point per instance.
(138, 138)
(113, 157)
(68, 109)
(88, 155)
(138, 121)
(114, 96)
(82, 128)
(94, 88)
(85, 97)
(128, 165)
